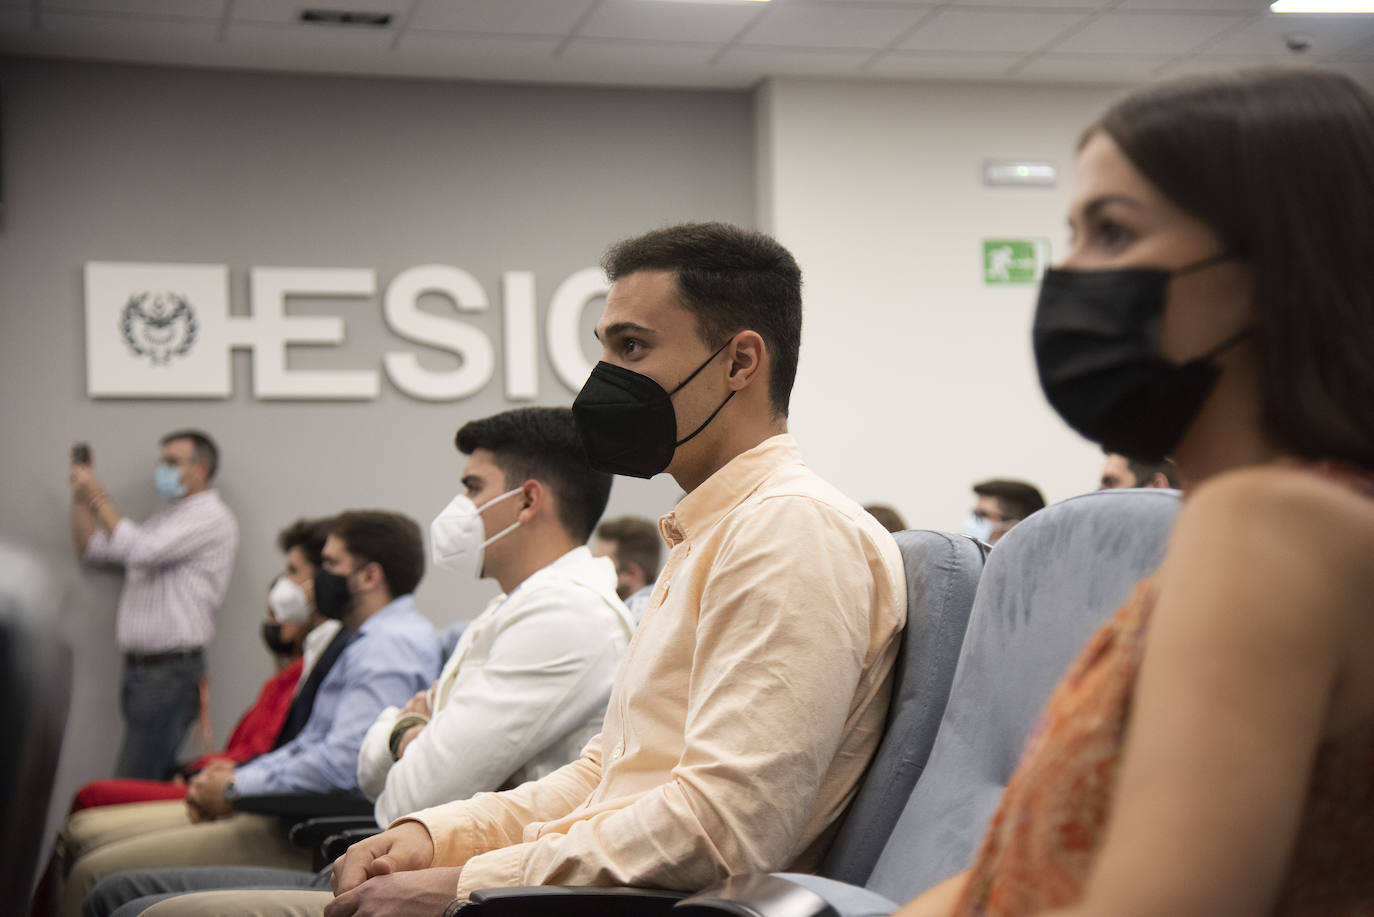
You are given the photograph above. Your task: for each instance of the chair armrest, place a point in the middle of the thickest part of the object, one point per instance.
(312, 832)
(302, 806)
(333, 847)
(569, 901)
(757, 895)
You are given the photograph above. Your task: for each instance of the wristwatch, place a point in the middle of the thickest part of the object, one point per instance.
(231, 793)
(403, 725)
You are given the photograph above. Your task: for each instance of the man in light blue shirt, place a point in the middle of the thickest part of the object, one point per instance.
(372, 562)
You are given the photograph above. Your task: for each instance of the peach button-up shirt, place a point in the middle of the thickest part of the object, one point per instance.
(745, 710)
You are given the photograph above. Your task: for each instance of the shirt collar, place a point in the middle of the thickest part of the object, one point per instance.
(727, 488)
(396, 607)
(578, 565)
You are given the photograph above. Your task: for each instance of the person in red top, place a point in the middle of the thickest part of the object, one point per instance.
(290, 616)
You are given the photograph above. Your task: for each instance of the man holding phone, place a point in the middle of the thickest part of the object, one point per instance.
(177, 565)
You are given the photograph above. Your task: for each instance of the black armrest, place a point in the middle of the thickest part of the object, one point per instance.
(570, 901)
(758, 895)
(301, 806)
(311, 833)
(333, 847)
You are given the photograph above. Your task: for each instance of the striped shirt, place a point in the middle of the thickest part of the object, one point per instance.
(177, 566)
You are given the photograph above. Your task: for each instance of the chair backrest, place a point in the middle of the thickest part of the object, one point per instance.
(942, 574)
(1048, 585)
(35, 682)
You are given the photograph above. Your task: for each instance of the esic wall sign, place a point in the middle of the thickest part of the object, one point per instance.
(165, 331)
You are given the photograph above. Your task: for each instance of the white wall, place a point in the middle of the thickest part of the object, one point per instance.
(916, 380)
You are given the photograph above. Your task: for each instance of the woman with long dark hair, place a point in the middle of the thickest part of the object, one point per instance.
(1212, 750)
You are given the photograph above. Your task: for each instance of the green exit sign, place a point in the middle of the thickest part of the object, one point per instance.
(1012, 261)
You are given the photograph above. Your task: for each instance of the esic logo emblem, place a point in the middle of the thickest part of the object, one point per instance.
(158, 326)
(166, 331)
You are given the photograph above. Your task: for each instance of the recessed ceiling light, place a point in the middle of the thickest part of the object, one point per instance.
(1322, 6)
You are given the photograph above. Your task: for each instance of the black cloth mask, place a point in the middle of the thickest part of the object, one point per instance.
(627, 422)
(271, 635)
(333, 598)
(1096, 338)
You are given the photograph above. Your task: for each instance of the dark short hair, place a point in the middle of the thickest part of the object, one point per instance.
(731, 280)
(887, 517)
(202, 447)
(637, 541)
(1143, 471)
(1280, 164)
(542, 444)
(390, 540)
(1017, 498)
(307, 534)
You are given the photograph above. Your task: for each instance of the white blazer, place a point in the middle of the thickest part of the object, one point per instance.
(525, 689)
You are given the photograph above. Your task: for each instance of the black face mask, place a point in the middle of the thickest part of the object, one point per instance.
(271, 635)
(333, 598)
(627, 422)
(1096, 342)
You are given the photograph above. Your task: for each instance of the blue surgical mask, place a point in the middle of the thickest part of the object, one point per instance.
(976, 526)
(167, 479)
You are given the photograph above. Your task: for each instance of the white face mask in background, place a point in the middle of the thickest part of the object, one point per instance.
(288, 601)
(455, 535)
(975, 526)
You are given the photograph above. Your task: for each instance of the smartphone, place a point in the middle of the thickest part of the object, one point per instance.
(81, 454)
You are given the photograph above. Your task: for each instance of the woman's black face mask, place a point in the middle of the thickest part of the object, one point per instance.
(1096, 339)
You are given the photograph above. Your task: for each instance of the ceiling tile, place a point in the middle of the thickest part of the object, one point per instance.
(989, 30)
(639, 53)
(1198, 6)
(1169, 34)
(512, 17)
(289, 12)
(190, 9)
(943, 66)
(478, 46)
(126, 28)
(794, 61)
(1105, 69)
(1195, 66)
(309, 36)
(832, 26)
(1327, 35)
(692, 22)
(1040, 4)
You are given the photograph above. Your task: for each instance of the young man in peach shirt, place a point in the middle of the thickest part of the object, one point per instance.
(756, 686)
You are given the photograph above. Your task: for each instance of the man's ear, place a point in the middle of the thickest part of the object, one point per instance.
(748, 352)
(532, 499)
(372, 576)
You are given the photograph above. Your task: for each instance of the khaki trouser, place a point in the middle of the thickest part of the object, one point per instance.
(245, 903)
(105, 846)
(91, 828)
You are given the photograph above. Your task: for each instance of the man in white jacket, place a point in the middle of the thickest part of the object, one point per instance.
(528, 683)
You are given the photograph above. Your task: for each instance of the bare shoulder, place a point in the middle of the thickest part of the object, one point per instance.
(1305, 512)
(1291, 546)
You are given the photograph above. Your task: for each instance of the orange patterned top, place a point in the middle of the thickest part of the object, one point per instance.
(1041, 843)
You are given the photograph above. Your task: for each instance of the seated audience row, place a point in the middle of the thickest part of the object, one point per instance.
(1216, 307)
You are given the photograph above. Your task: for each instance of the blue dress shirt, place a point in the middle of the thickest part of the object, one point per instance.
(393, 655)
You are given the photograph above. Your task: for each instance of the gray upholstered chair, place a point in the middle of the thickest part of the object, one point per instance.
(942, 573)
(35, 682)
(1048, 585)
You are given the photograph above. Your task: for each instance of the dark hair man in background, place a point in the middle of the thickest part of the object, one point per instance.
(1119, 471)
(177, 565)
(636, 546)
(1000, 504)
